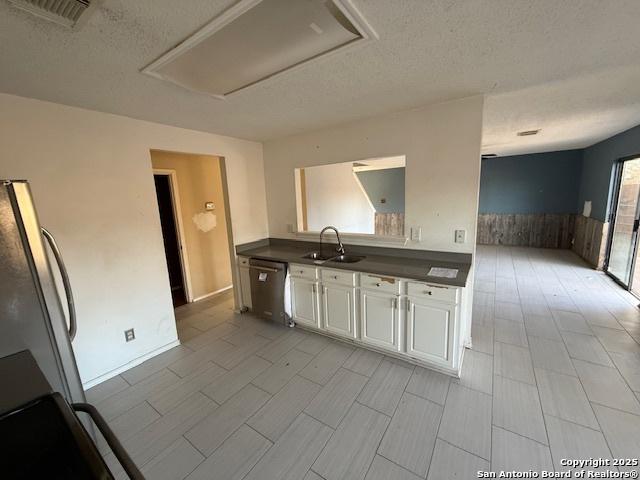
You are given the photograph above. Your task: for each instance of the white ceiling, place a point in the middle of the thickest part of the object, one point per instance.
(570, 68)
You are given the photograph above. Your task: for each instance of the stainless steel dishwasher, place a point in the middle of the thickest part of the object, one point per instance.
(267, 289)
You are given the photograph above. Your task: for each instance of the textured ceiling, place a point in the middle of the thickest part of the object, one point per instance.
(569, 67)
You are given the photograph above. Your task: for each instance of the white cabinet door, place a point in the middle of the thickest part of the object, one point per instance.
(338, 313)
(245, 287)
(304, 302)
(430, 328)
(379, 319)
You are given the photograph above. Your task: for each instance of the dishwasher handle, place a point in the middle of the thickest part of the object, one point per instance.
(265, 269)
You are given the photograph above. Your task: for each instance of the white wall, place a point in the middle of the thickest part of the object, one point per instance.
(335, 197)
(442, 147)
(92, 181)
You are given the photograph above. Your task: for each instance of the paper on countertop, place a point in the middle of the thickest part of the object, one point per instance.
(443, 272)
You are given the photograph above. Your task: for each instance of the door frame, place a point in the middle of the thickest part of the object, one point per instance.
(177, 215)
(617, 183)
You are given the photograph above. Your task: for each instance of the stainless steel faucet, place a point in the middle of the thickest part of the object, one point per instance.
(340, 248)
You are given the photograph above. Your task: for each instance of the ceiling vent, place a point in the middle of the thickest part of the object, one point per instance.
(62, 12)
(528, 133)
(256, 40)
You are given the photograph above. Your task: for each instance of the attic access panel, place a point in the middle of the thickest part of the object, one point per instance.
(258, 39)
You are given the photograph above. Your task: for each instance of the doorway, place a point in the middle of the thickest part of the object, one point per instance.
(170, 236)
(202, 222)
(622, 262)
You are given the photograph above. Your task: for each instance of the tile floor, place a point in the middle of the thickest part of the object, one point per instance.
(554, 373)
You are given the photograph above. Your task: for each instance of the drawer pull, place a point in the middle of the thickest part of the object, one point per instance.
(335, 277)
(428, 292)
(378, 284)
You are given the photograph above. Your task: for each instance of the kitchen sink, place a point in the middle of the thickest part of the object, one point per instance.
(321, 258)
(317, 256)
(347, 258)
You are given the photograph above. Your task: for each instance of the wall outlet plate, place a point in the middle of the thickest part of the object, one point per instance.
(460, 236)
(129, 335)
(416, 234)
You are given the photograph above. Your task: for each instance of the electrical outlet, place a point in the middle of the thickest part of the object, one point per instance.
(460, 236)
(416, 234)
(129, 335)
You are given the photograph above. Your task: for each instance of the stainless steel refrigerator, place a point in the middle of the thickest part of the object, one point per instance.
(31, 313)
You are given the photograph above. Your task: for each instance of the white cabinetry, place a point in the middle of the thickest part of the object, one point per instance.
(338, 310)
(339, 302)
(430, 328)
(380, 315)
(410, 319)
(305, 296)
(245, 282)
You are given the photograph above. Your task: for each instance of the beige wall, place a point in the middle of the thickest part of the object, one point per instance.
(92, 180)
(199, 181)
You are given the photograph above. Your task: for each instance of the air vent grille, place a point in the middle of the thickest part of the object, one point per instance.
(63, 12)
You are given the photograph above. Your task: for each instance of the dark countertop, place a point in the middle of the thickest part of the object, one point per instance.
(394, 262)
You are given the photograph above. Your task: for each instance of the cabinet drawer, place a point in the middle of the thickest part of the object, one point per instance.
(439, 293)
(303, 271)
(379, 283)
(339, 277)
(243, 261)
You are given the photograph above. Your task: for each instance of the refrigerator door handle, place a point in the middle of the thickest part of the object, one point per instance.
(73, 326)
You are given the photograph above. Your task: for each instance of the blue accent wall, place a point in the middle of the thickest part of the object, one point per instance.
(534, 183)
(385, 184)
(597, 170)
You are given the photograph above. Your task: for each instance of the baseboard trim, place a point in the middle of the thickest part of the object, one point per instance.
(211, 294)
(128, 365)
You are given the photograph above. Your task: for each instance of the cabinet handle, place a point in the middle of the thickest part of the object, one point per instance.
(313, 288)
(408, 305)
(428, 292)
(378, 284)
(335, 277)
(394, 302)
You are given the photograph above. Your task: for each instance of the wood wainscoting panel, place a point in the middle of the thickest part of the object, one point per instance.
(590, 240)
(585, 236)
(389, 224)
(526, 230)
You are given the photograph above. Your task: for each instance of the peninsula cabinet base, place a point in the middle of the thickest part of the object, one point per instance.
(388, 353)
(423, 323)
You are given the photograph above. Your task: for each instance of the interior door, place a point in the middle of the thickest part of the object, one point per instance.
(624, 237)
(170, 239)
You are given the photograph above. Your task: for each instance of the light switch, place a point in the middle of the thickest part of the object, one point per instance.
(460, 236)
(416, 234)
